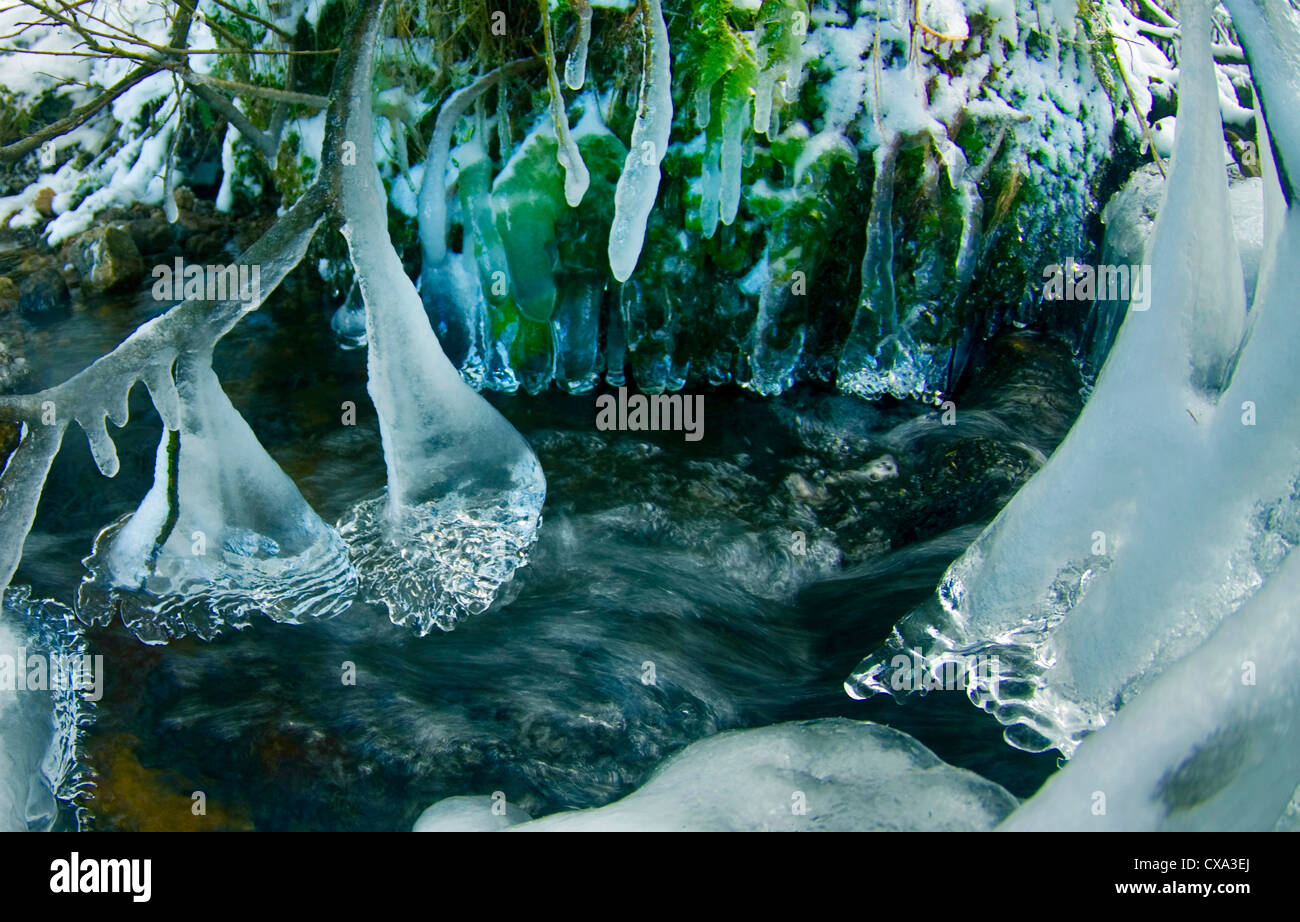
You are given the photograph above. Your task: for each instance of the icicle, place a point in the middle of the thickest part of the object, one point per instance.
(1100, 572)
(638, 185)
(20, 490)
(162, 391)
(465, 491)
(763, 90)
(451, 288)
(778, 337)
(876, 358)
(779, 35)
(102, 448)
(1271, 40)
(703, 105)
(1229, 760)
(576, 323)
(576, 177)
(710, 189)
(965, 184)
(735, 118)
(222, 534)
(433, 187)
(575, 67)
(615, 350)
(349, 321)
(170, 209)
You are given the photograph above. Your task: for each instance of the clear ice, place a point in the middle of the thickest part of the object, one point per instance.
(223, 534)
(830, 775)
(1173, 498)
(465, 492)
(639, 184)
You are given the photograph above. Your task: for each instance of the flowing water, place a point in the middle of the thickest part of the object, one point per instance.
(679, 588)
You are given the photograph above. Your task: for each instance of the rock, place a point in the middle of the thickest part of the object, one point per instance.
(9, 436)
(44, 202)
(8, 292)
(43, 295)
(152, 235)
(106, 257)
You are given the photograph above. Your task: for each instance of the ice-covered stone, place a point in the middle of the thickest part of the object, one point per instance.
(831, 775)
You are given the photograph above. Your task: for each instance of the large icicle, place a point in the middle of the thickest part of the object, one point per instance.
(223, 534)
(1101, 572)
(1270, 34)
(448, 286)
(1228, 760)
(100, 392)
(638, 185)
(465, 491)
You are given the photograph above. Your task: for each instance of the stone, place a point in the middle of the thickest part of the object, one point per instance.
(106, 257)
(43, 295)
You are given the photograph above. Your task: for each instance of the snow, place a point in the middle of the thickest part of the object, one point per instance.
(946, 17)
(133, 172)
(470, 814)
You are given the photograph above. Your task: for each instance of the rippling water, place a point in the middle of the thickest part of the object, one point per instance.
(678, 589)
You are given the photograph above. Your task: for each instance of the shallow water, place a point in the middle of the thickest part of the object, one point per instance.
(678, 589)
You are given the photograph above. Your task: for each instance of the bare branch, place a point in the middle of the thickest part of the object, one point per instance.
(75, 118)
(265, 92)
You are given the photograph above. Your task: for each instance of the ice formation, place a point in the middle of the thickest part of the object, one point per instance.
(222, 535)
(575, 66)
(98, 394)
(1006, 100)
(1214, 743)
(831, 775)
(576, 177)
(465, 491)
(42, 711)
(639, 183)
(1101, 573)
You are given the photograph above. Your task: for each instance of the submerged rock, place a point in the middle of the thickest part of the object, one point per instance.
(106, 257)
(44, 296)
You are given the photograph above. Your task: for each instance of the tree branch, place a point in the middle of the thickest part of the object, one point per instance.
(82, 114)
(99, 392)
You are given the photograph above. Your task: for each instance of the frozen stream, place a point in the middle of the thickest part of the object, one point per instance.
(667, 600)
